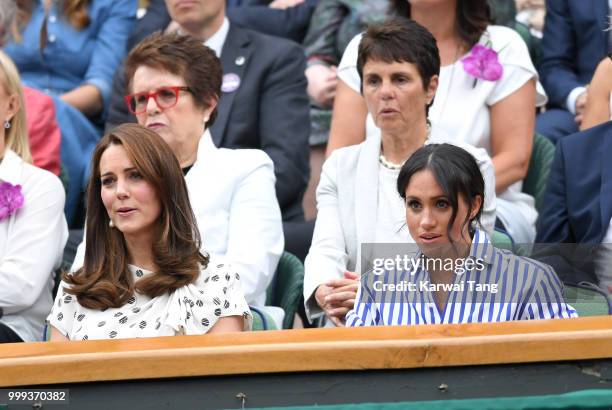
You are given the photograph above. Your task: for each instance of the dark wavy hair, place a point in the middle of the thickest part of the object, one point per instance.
(180, 55)
(473, 17)
(104, 281)
(455, 170)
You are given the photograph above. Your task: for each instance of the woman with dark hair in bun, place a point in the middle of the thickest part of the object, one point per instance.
(458, 276)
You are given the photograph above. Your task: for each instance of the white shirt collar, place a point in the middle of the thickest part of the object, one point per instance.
(216, 41)
(10, 167)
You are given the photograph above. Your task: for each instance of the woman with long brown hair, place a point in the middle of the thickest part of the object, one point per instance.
(143, 273)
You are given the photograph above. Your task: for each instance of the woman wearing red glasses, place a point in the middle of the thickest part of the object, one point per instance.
(175, 83)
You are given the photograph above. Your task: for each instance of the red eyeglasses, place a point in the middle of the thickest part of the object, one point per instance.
(165, 97)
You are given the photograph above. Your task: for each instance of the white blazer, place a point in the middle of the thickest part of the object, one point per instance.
(232, 195)
(32, 241)
(347, 197)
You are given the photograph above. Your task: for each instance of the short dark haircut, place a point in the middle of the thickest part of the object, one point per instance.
(400, 40)
(473, 17)
(104, 281)
(455, 170)
(180, 55)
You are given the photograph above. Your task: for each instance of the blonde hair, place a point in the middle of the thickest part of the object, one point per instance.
(15, 137)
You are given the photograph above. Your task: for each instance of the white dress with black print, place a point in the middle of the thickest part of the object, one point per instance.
(190, 310)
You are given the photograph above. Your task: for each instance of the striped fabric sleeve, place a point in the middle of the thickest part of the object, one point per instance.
(365, 312)
(547, 301)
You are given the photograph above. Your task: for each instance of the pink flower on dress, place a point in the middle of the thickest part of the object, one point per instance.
(482, 63)
(11, 199)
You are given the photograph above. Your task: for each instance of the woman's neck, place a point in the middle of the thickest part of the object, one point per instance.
(140, 252)
(186, 151)
(398, 146)
(440, 20)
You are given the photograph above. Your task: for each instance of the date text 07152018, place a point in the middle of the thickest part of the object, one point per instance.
(8, 396)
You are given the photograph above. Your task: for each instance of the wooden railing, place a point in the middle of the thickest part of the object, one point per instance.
(306, 350)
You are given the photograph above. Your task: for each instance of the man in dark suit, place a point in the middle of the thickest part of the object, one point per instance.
(574, 42)
(578, 206)
(263, 103)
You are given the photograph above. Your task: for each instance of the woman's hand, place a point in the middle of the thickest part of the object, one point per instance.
(322, 83)
(57, 336)
(337, 297)
(283, 4)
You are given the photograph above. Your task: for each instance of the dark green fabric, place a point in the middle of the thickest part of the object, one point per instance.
(287, 287)
(584, 399)
(539, 169)
(532, 42)
(503, 12)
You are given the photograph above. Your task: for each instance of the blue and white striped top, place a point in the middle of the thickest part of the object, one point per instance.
(507, 287)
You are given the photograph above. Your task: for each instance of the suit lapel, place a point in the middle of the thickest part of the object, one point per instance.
(366, 190)
(234, 61)
(605, 194)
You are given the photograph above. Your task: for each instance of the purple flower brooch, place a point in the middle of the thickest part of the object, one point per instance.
(11, 199)
(482, 63)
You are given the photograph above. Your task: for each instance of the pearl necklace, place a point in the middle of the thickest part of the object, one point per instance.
(395, 166)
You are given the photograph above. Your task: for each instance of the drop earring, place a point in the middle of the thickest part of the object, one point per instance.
(7, 124)
(111, 223)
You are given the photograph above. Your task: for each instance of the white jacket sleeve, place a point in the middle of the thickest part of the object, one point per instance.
(37, 234)
(255, 233)
(327, 258)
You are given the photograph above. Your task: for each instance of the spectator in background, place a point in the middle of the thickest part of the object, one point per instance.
(334, 23)
(33, 229)
(531, 13)
(496, 113)
(70, 51)
(577, 208)
(574, 42)
(174, 84)
(43, 131)
(598, 108)
(144, 274)
(263, 102)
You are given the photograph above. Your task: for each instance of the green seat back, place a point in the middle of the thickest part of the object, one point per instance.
(287, 287)
(540, 163)
(502, 241)
(587, 302)
(533, 43)
(259, 318)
